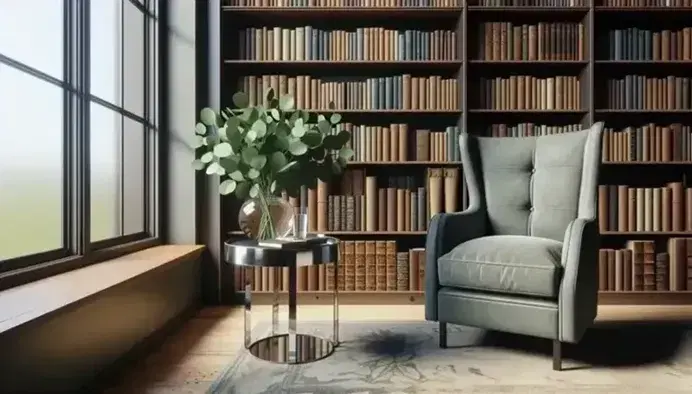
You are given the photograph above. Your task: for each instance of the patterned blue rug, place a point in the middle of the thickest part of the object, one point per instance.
(404, 357)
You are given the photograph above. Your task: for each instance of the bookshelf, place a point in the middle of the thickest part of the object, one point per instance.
(501, 68)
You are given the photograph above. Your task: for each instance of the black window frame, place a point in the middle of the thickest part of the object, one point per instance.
(77, 248)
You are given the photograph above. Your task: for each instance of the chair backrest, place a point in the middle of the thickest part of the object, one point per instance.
(536, 185)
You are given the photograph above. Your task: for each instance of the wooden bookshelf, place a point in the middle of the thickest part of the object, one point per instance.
(581, 49)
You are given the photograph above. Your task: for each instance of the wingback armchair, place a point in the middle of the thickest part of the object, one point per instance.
(523, 257)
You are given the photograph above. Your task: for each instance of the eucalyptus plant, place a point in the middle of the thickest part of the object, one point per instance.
(261, 150)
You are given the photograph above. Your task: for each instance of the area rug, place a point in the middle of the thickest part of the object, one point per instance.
(404, 358)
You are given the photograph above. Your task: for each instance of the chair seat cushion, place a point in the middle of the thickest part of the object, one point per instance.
(511, 264)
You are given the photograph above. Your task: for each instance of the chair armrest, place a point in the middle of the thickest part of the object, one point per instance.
(578, 298)
(445, 231)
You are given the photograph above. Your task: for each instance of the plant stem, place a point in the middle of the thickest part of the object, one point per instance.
(266, 223)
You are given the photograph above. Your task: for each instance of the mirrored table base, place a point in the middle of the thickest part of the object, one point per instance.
(275, 349)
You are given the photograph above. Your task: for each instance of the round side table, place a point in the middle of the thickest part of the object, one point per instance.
(291, 347)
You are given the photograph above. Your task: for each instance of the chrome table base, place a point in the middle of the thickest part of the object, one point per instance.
(291, 347)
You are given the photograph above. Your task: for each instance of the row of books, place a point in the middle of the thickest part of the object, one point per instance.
(365, 43)
(640, 92)
(390, 203)
(391, 144)
(525, 92)
(541, 41)
(624, 208)
(530, 3)
(529, 130)
(645, 3)
(343, 3)
(649, 143)
(363, 266)
(638, 44)
(360, 93)
(638, 267)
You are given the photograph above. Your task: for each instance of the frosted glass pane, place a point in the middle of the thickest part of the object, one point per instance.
(133, 177)
(31, 32)
(133, 59)
(31, 165)
(106, 132)
(106, 50)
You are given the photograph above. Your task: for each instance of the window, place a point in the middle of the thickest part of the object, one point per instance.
(79, 132)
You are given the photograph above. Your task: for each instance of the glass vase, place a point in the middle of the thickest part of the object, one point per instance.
(266, 217)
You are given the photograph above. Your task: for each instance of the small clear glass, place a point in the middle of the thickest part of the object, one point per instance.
(300, 223)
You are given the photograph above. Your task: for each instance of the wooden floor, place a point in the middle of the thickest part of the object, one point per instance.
(190, 360)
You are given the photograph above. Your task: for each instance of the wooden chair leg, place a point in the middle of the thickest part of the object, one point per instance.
(443, 335)
(557, 355)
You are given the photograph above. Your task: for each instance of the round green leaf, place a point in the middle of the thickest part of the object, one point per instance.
(260, 128)
(214, 168)
(241, 100)
(230, 164)
(343, 137)
(269, 94)
(320, 117)
(305, 115)
(223, 136)
(346, 153)
(223, 149)
(282, 142)
(277, 160)
(200, 129)
(197, 165)
(242, 189)
(298, 130)
(254, 190)
(258, 162)
(275, 114)
(312, 139)
(236, 140)
(207, 157)
(286, 102)
(237, 176)
(297, 148)
(227, 187)
(253, 174)
(250, 136)
(208, 116)
(335, 118)
(248, 154)
(324, 126)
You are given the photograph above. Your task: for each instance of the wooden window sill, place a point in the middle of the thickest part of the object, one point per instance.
(28, 302)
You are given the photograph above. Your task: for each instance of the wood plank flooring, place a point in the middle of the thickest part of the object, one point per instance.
(190, 360)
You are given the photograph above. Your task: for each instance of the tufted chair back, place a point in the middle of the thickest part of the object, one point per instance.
(536, 185)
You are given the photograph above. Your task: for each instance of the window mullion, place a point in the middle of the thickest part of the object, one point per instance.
(82, 129)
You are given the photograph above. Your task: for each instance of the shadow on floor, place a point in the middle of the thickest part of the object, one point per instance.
(611, 346)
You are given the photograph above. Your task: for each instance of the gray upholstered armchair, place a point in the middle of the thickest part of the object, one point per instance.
(523, 257)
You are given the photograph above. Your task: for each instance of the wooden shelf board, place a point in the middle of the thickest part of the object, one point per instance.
(643, 62)
(647, 163)
(643, 111)
(531, 62)
(646, 232)
(388, 111)
(389, 12)
(346, 62)
(641, 9)
(236, 232)
(418, 297)
(645, 297)
(476, 8)
(404, 163)
(527, 111)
